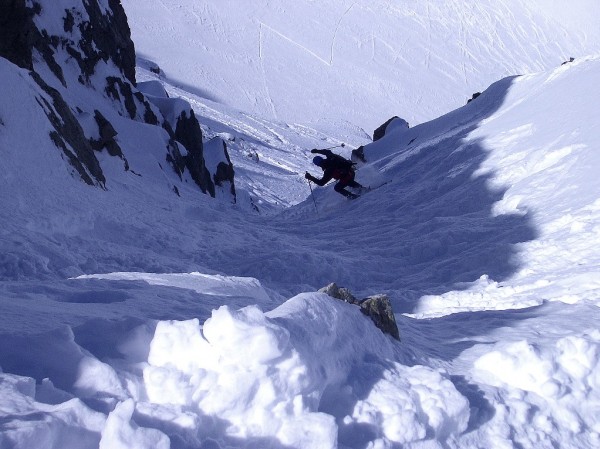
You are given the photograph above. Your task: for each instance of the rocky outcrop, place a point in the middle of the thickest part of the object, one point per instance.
(377, 307)
(189, 134)
(180, 121)
(69, 136)
(387, 126)
(65, 60)
(219, 165)
(473, 97)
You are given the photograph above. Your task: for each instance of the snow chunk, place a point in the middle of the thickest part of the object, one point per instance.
(410, 403)
(121, 433)
(27, 423)
(559, 384)
(288, 374)
(242, 368)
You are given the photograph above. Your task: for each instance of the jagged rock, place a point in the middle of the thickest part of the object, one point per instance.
(571, 59)
(175, 158)
(69, 135)
(19, 36)
(107, 134)
(339, 293)
(188, 133)
(94, 38)
(394, 122)
(377, 307)
(104, 37)
(121, 91)
(183, 127)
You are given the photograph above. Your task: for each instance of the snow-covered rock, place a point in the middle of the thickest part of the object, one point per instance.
(83, 60)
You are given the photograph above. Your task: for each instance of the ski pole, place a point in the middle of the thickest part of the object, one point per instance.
(312, 195)
(331, 148)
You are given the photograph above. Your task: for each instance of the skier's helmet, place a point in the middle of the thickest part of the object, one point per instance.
(318, 161)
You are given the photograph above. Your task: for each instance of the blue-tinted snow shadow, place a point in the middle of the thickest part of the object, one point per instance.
(446, 337)
(124, 315)
(210, 433)
(430, 230)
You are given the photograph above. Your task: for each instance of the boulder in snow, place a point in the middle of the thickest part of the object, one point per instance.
(377, 307)
(394, 122)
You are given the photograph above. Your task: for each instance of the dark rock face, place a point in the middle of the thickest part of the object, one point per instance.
(111, 36)
(184, 130)
(122, 92)
(358, 154)
(189, 134)
(16, 32)
(69, 136)
(571, 59)
(380, 132)
(107, 140)
(175, 158)
(104, 37)
(377, 307)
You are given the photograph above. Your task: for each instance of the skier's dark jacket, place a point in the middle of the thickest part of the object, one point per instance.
(334, 167)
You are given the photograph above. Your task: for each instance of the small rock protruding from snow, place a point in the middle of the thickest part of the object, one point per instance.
(376, 307)
(475, 95)
(393, 123)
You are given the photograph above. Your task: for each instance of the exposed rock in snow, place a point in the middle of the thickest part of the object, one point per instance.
(16, 32)
(82, 57)
(377, 307)
(393, 123)
(69, 135)
(188, 132)
(219, 164)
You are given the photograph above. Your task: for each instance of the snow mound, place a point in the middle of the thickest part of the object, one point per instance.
(558, 386)
(425, 404)
(282, 376)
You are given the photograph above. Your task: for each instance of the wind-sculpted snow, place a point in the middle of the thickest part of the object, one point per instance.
(294, 377)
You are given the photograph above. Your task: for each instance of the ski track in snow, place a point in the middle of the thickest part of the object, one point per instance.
(291, 41)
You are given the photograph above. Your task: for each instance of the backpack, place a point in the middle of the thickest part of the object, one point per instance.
(340, 162)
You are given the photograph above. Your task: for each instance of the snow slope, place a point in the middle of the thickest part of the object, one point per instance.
(355, 60)
(488, 255)
(132, 318)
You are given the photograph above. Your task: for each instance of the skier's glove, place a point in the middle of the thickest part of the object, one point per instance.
(313, 151)
(307, 175)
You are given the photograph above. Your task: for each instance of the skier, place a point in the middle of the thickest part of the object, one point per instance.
(335, 167)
